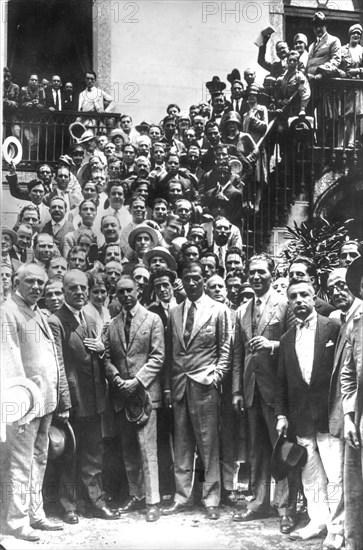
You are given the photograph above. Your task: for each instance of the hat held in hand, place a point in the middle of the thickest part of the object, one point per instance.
(286, 455)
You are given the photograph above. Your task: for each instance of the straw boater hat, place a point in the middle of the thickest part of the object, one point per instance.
(7, 231)
(143, 228)
(163, 253)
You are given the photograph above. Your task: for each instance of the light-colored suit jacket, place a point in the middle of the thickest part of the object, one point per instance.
(143, 358)
(205, 358)
(352, 373)
(336, 415)
(328, 49)
(28, 341)
(260, 367)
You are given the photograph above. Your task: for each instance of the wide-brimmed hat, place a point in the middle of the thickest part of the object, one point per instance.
(138, 407)
(354, 276)
(22, 400)
(319, 18)
(286, 455)
(77, 129)
(86, 136)
(234, 76)
(7, 231)
(116, 132)
(12, 150)
(215, 85)
(163, 253)
(62, 441)
(143, 228)
(66, 159)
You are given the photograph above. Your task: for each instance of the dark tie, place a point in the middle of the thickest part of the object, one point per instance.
(182, 231)
(128, 327)
(343, 318)
(256, 316)
(189, 323)
(56, 100)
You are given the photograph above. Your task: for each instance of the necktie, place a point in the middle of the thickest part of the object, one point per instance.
(128, 327)
(56, 228)
(343, 318)
(57, 100)
(302, 324)
(189, 323)
(256, 316)
(182, 232)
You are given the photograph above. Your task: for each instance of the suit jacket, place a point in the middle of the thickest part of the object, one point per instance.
(159, 310)
(83, 368)
(336, 415)
(73, 198)
(352, 374)
(49, 99)
(28, 349)
(143, 358)
(260, 367)
(59, 236)
(306, 405)
(328, 49)
(205, 358)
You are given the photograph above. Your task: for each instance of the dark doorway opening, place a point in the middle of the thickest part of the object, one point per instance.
(50, 37)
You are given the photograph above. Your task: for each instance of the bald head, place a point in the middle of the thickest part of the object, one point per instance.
(338, 290)
(215, 288)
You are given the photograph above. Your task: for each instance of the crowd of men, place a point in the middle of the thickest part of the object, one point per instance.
(126, 295)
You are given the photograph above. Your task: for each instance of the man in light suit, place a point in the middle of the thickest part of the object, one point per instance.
(134, 357)
(260, 323)
(326, 48)
(78, 344)
(198, 345)
(302, 394)
(28, 343)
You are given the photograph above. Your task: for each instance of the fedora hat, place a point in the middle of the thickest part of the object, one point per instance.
(21, 400)
(143, 228)
(234, 76)
(138, 407)
(66, 159)
(142, 126)
(354, 276)
(163, 253)
(286, 455)
(117, 132)
(319, 18)
(12, 150)
(86, 136)
(62, 441)
(7, 231)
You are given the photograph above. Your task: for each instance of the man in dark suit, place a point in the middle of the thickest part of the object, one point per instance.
(260, 323)
(302, 395)
(54, 96)
(80, 348)
(303, 268)
(134, 357)
(58, 226)
(198, 345)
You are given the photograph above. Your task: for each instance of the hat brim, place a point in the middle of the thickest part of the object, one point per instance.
(142, 229)
(12, 234)
(354, 276)
(12, 150)
(65, 430)
(24, 412)
(280, 467)
(158, 251)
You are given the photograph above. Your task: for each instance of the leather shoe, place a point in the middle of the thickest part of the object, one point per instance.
(175, 508)
(71, 517)
(26, 533)
(130, 505)
(46, 525)
(105, 513)
(248, 515)
(152, 513)
(213, 512)
(287, 523)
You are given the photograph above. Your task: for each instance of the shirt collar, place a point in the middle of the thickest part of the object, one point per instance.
(263, 299)
(309, 322)
(349, 313)
(198, 303)
(32, 307)
(133, 310)
(76, 312)
(61, 223)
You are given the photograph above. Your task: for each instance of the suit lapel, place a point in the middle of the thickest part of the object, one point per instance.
(178, 316)
(35, 316)
(293, 359)
(267, 314)
(202, 318)
(137, 321)
(319, 348)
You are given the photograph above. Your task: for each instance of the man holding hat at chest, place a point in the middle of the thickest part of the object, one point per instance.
(352, 399)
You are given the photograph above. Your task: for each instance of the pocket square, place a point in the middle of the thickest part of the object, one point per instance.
(274, 322)
(330, 343)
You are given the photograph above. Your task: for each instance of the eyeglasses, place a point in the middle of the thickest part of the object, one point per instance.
(340, 286)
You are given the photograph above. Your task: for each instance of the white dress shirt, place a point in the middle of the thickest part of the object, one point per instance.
(305, 345)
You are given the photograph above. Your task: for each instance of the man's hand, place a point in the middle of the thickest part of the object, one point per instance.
(238, 403)
(353, 72)
(282, 426)
(351, 432)
(62, 415)
(167, 399)
(51, 109)
(259, 343)
(94, 344)
(129, 387)
(318, 76)
(12, 168)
